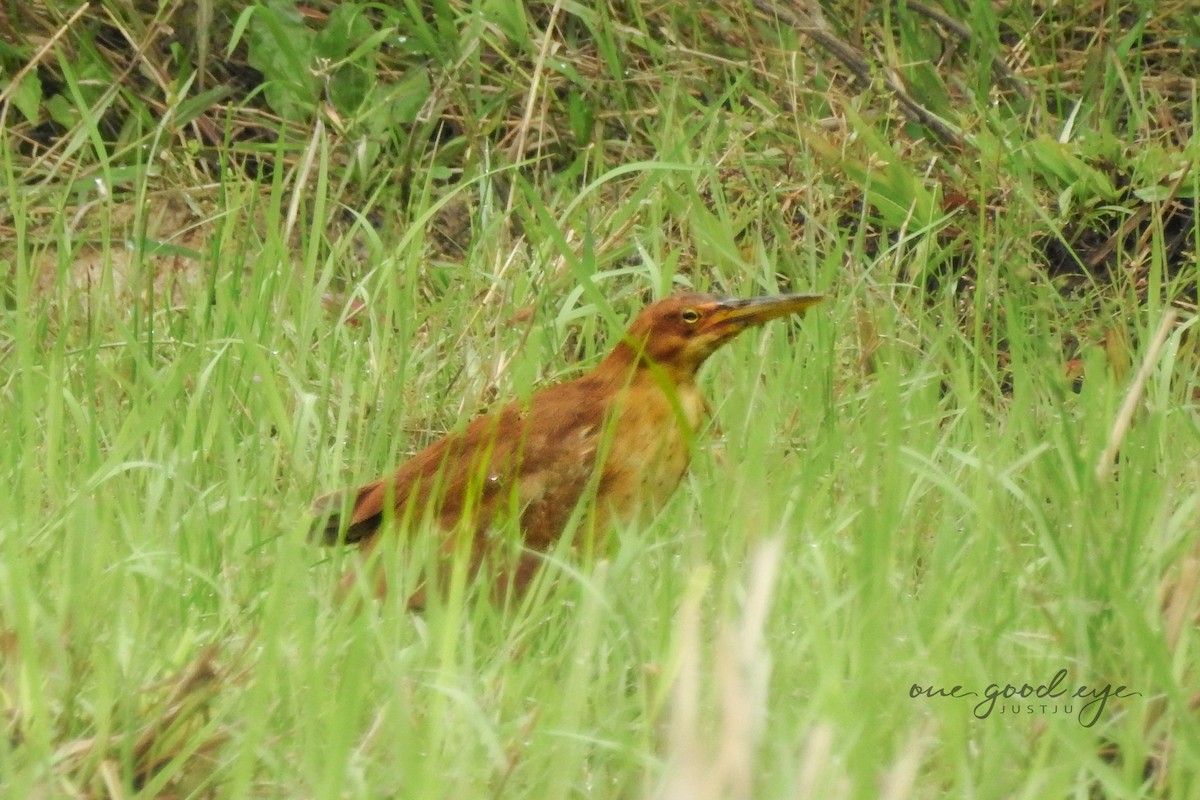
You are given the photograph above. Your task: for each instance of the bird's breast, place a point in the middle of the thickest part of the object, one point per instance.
(650, 450)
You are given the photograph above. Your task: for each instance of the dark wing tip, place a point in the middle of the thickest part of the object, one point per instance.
(326, 530)
(328, 527)
(334, 518)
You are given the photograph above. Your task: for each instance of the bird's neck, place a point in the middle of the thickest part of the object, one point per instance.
(639, 385)
(629, 365)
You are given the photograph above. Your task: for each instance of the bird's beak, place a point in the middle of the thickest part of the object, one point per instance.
(735, 315)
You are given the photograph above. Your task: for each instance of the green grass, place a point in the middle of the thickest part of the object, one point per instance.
(900, 494)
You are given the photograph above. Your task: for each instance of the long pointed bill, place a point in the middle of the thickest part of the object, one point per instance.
(736, 315)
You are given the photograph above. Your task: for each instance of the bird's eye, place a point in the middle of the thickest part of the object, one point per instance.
(690, 315)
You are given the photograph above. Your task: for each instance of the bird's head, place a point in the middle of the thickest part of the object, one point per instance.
(679, 332)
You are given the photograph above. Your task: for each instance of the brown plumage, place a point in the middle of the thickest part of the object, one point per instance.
(618, 438)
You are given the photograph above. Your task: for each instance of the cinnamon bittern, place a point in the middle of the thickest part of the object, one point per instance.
(618, 439)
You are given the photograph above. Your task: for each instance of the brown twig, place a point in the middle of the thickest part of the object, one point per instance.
(808, 19)
(37, 57)
(1002, 71)
(1125, 415)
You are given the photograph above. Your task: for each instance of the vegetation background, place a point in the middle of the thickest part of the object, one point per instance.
(255, 251)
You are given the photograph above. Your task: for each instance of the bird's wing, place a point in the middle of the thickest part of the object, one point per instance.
(433, 470)
(539, 454)
(563, 436)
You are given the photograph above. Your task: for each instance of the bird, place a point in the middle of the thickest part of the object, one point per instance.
(613, 443)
